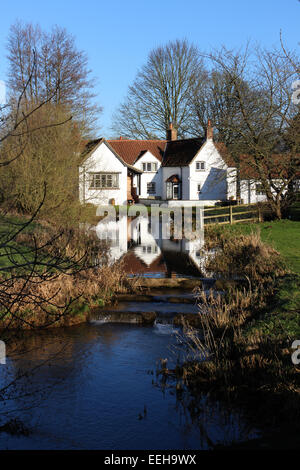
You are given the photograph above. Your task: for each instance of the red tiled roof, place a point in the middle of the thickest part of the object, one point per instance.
(89, 146)
(181, 153)
(134, 265)
(278, 164)
(278, 167)
(131, 150)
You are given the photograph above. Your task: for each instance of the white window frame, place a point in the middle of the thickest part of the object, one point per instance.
(149, 249)
(149, 167)
(104, 180)
(200, 166)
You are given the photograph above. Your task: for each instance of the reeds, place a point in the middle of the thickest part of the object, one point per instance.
(226, 357)
(63, 299)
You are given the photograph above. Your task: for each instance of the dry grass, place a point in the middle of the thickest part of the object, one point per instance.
(63, 299)
(56, 275)
(246, 257)
(251, 368)
(72, 243)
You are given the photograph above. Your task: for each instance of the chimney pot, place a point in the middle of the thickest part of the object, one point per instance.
(171, 132)
(210, 130)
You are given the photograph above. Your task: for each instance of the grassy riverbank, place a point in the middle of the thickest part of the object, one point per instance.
(283, 235)
(247, 334)
(48, 277)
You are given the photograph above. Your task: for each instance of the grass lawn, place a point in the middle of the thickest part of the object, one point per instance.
(283, 235)
(21, 255)
(281, 318)
(12, 253)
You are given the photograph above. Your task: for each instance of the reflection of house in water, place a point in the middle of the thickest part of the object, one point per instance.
(183, 256)
(145, 252)
(115, 233)
(145, 246)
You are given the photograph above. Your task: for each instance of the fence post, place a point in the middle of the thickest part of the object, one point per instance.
(259, 215)
(230, 214)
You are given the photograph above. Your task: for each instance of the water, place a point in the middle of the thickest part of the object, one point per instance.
(145, 251)
(98, 390)
(94, 386)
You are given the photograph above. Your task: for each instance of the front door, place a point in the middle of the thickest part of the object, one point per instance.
(175, 191)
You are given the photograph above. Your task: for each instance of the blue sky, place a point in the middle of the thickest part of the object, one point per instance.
(118, 35)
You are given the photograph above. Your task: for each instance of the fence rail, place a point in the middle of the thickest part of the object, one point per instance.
(229, 213)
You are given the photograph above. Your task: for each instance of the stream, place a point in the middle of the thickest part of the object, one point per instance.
(94, 386)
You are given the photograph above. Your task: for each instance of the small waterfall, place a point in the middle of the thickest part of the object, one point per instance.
(100, 321)
(164, 326)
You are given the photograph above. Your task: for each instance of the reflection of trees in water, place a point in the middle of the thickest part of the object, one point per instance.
(218, 423)
(37, 362)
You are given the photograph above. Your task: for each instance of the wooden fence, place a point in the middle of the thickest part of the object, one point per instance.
(232, 214)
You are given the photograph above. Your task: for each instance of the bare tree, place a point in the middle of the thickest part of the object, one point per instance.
(19, 125)
(38, 268)
(265, 112)
(160, 93)
(215, 98)
(60, 71)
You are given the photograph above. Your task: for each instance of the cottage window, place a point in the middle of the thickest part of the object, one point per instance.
(259, 190)
(200, 166)
(150, 249)
(151, 188)
(104, 180)
(199, 188)
(296, 186)
(150, 166)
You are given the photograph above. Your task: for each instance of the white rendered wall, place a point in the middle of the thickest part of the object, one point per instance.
(149, 177)
(248, 191)
(231, 182)
(213, 179)
(102, 160)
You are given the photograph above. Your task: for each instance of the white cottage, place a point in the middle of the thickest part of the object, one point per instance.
(176, 172)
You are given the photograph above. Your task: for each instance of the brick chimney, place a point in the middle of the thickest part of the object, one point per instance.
(171, 132)
(210, 130)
